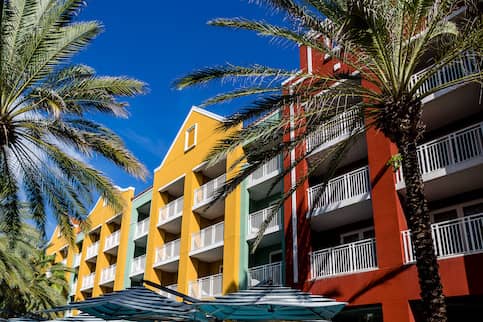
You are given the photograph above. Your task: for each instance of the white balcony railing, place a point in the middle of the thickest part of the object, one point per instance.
(64, 262)
(73, 288)
(266, 171)
(141, 229)
(108, 274)
(172, 210)
(169, 295)
(453, 237)
(270, 272)
(92, 250)
(466, 65)
(456, 149)
(336, 129)
(167, 252)
(206, 287)
(256, 219)
(112, 240)
(88, 281)
(344, 259)
(345, 189)
(207, 192)
(76, 262)
(209, 237)
(138, 265)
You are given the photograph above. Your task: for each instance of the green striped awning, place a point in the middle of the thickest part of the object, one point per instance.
(271, 303)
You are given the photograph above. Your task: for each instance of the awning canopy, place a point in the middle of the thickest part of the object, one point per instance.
(271, 303)
(135, 304)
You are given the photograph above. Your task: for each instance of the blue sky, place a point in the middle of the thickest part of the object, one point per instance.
(158, 41)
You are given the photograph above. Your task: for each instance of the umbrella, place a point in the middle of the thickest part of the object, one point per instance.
(271, 303)
(136, 304)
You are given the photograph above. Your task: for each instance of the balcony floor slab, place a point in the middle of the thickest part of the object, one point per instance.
(349, 213)
(209, 254)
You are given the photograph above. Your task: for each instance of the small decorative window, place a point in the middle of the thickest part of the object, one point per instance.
(190, 137)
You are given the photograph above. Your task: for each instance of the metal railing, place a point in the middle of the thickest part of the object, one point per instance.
(209, 286)
(208, 191)
(267, 170)
(171, 210)
(138, 265)
(142, 228)
(108, 274)
(270, 272)
(92, 250)
(169, 295)
(350, 185)
(88, 281)
(344, 259)
(466, 65)
(336, 129)
(77, 259)
(210, 236)
(452, 149)
(451, 237)
(167, 252)
(256, 219)
(112, 240)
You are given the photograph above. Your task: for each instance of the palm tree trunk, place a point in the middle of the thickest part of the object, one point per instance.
(434, 307)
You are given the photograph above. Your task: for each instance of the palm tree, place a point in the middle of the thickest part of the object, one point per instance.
(381, 44)
(46, 105)
(30, 280)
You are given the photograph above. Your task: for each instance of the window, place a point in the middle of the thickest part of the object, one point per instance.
(190, 137)
(275, 256)
(357, 235)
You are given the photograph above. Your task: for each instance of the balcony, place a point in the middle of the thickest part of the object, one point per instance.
(73, 288)
(256, 219)
(167, 256)
(169, 295)
(88, 282)
(349, 258)
(108, 275)
(206, 287)
(138, 265)
(112, 242)
(265, 172)
(270, 272)
(461, 236)
(77, 259)
(451, 162)
(92, 251)
(206, 194)
(207, 244)
(64, 262)
(142, 229)
(345, 197)
(170, 216)
(466, 65)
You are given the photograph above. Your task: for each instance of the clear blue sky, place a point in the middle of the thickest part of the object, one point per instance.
(158, 41)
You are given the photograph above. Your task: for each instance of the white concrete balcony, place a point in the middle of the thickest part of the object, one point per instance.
(270, 272)
(73, 288)
(88, 282)
(256, 219)
(167, 256)
(76, 261)
(460, 151)
(108, 275)
(349, 258)
(336, 130)
(173, 287)
(466, 65)
(267, 171)
(138, 265)
(206, 194)
(112, 241)
(64, 262)
(461, 236)
(92, 251)
(207, 244)
(141, 229)
(170, 216)
(206, 287)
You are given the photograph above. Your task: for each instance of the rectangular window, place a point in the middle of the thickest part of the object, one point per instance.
(190, 137)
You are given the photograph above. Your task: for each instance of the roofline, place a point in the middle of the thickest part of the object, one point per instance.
(139, 195)
(193, 109)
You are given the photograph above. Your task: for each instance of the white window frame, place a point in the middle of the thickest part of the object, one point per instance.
(274, 252)
(360, 232)
(193, 127)
(458, 207)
